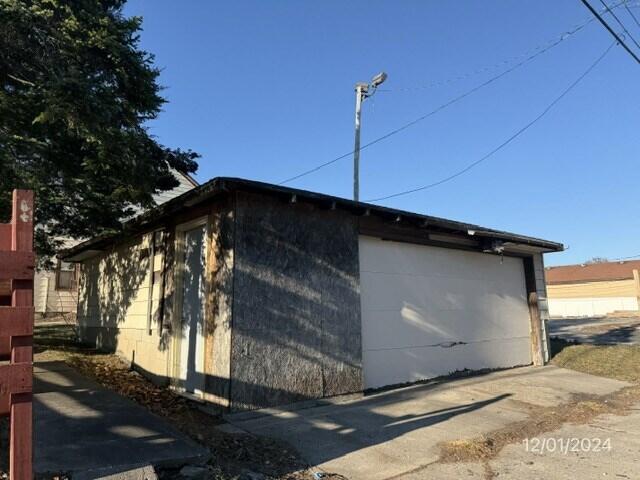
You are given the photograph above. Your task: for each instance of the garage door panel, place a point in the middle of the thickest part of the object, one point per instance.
(395, 292)
(398, 366)
(419, 328)
(385, 291)
(413, 296)
(412, 259)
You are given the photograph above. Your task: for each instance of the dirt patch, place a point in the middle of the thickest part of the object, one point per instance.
(620, 362)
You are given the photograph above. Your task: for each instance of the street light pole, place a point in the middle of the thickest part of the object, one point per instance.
(361, 91)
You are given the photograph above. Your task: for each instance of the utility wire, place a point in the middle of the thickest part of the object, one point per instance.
(619, 23)
(606, 25)
(507, 61)
(635, 19)
(487, 68)
(507, 141)
(624, 258)
(441, 107)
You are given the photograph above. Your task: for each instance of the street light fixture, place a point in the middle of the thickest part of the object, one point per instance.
(378, 79)
(363, 90)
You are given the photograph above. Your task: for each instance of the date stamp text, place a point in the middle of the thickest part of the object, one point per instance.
(567, 445)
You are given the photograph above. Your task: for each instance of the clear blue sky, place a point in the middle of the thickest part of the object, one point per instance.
(264, 90)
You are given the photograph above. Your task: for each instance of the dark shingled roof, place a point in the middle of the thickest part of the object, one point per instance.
(224, 185)
(592, 272)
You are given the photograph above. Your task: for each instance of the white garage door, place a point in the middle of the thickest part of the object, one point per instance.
(431, 311)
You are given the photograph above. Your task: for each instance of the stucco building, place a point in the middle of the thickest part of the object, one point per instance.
(250, 295)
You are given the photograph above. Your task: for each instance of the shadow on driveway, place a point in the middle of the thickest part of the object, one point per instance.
(391, 433)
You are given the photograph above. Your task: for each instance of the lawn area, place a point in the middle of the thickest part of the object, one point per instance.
(621, 362)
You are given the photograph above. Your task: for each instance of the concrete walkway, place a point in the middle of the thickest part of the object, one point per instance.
(395, 434)
(81, 427)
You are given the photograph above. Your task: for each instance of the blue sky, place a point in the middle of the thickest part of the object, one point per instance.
(264, 90)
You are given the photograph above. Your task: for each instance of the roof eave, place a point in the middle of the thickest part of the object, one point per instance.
(224, 185)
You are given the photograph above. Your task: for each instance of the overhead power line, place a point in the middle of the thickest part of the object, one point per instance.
(485, 69)
(439, 108)
(538, 50)
(621, 259)
(506, 142)
(614, 34)
(625, 258)
(507, 61)
(635, 19)
(615, 17)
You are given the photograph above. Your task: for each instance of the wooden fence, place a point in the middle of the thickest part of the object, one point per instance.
(16, 334)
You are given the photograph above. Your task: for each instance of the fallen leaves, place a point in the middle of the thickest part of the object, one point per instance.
(114, 374)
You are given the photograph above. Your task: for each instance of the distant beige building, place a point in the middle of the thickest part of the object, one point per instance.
(595, 289)
(55, 292)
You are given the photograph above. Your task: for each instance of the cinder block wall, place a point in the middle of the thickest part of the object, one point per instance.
(296, 308)
(113, 307)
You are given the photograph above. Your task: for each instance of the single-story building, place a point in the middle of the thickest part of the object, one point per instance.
(252, 295)
(594, 289)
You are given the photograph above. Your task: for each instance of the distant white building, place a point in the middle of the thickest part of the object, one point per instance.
(55, 292)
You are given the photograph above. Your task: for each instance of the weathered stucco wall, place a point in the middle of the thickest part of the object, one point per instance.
(113, 306)
(296, 310)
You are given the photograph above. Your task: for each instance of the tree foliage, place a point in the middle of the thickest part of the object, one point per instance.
(76, 91)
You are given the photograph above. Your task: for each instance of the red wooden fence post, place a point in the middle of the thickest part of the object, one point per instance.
(5, 245)
(20, 463)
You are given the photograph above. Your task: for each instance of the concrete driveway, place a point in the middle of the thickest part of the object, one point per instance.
(597, 330)
(394, 434)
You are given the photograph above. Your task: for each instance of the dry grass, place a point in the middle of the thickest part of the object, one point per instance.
(620, 362)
